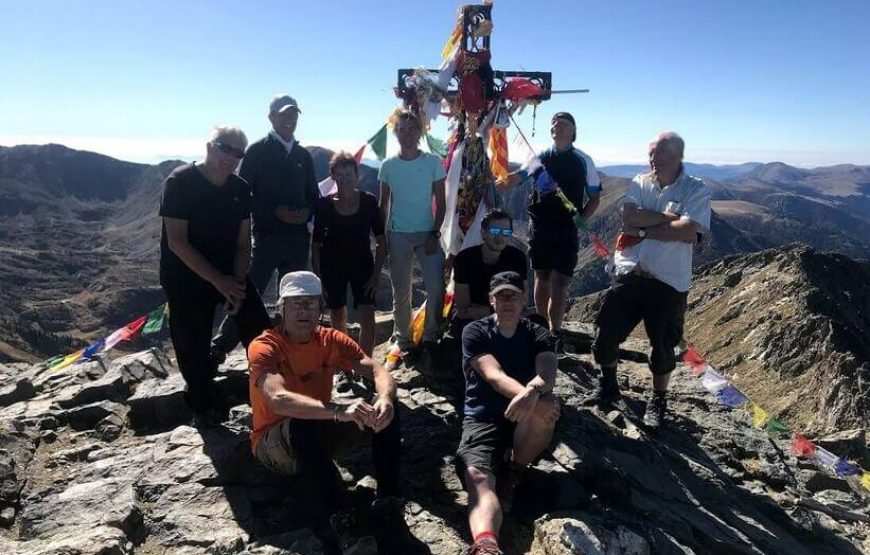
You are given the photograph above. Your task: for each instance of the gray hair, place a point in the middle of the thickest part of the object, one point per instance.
(674, 142)
(230, 133)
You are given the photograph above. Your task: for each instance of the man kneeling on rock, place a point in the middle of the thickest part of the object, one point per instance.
(510, 414)
(296, 426)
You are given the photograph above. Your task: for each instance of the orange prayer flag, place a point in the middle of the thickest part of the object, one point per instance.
(802, 447)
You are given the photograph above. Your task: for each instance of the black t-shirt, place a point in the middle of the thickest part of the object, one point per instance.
(569, 170)
(213, 213)
(347, 235)
(515, 354)
(469, 268)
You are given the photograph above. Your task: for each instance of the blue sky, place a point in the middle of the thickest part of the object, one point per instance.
(145, 80)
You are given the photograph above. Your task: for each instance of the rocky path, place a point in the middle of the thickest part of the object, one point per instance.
(100, 459)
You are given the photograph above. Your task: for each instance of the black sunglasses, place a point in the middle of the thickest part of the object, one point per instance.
(229, 149)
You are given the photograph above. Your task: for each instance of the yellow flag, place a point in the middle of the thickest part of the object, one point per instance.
(865, 480)
(759, 416)
(69, 359)
(452, 41)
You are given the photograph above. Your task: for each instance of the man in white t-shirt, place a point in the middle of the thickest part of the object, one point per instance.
(663, 212)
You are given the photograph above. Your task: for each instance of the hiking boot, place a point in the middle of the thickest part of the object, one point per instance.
(506, 485)
(606, 391)
(559, 342)
(485, 546)
(656, 407)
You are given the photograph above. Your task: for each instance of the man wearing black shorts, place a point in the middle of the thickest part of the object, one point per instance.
(565, 176)
(510, 412)
(205, 249)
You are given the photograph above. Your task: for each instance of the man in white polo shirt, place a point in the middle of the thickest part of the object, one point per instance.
(663, 212)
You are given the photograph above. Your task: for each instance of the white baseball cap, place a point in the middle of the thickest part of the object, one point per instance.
(299, 284)
(283, 102)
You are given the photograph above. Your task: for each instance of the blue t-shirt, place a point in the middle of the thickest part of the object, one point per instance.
(515, 354)
(410, 183)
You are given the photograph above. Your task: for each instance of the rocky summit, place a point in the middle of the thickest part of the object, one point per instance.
(101, 458)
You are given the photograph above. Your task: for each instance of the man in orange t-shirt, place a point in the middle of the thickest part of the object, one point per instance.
(295, 423)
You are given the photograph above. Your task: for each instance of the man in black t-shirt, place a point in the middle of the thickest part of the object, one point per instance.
(280, 172)
(475, 266)
(205, 248)
(510, 413)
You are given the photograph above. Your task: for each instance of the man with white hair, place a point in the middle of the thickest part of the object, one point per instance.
(662, 214)
(280, 172)
(296, 424)
(205, 249)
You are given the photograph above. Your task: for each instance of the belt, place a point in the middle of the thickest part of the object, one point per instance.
(642, 273)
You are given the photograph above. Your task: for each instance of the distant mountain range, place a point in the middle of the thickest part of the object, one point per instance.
(79, 234)
(712, 171)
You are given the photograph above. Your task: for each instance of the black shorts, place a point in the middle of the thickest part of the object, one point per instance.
(554, 248)
(484, 445)
(337, 271)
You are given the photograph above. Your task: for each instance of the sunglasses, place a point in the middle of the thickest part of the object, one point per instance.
(228, 149)
(504, 231)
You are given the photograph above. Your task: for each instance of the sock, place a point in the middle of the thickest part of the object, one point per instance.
(483, 535)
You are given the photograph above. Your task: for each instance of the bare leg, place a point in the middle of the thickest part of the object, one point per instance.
(533, 435)
(338, 317)
(542, 292)
(558, 299)
(484, 510)
(366, 315)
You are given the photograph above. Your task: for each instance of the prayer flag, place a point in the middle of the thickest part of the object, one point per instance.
(521, 88)
(843, 469)
(359, 153)
(713, 381)
(731, 396)
(802, 447)
(498, 153)
(759, 416)
(436, 146)
(693, 359)
(68, 360)
(378, 143)
(825, 458)
(865, 480)
(53, 361)
(599, 247)
(452, 41)
(155, 320)
(417, 324)
(775, 427)
(127, 333)
(448, 301)
(91, 350)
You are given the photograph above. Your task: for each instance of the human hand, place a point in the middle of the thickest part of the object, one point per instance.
(671, 216)
(231, 288)
(431, 246)
(359, 412)
(522, 405)
(371, 286)
(383, 413)
(548, 408)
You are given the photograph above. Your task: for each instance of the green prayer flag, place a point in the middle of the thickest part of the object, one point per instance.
(378, 143)
(774, 426)
(155, 320)
(54, 361)
(436, 146)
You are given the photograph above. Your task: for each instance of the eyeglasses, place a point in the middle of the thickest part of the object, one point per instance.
(303, 304)
(228, 149)
(504, 231)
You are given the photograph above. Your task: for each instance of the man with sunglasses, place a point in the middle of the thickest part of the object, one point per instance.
(474, 267)
(296, 424)
(510, 413)
(281, 174)
(205, 249)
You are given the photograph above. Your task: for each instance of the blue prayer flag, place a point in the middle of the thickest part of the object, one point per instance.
(843, 469)
(731, 396)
